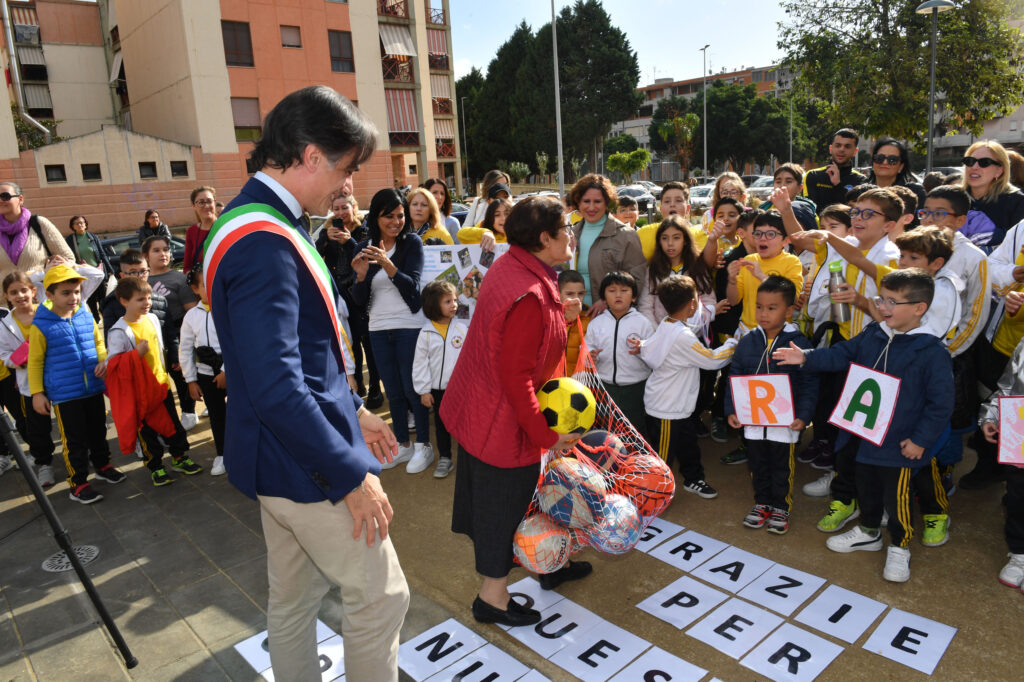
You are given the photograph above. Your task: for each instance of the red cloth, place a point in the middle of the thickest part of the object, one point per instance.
(135, 396)
(194, 238)
(514, 344)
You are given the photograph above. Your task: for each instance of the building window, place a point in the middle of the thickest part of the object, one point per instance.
(290, 36)
(237, 43)
(55, 173)
(246, 114)
(147, 170)
(91, 171)
(179, 169)
(341, 51)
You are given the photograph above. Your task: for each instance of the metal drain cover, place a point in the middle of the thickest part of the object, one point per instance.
(59, 562)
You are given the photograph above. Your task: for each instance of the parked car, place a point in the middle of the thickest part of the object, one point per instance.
(115, 246)
(640, 193)
(749, 180)
(653, 188)
(761, 190)
(700, 198)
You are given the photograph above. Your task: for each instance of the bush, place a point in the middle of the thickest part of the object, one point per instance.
(518, 170)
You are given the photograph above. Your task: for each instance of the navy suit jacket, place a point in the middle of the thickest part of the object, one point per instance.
(292, 429)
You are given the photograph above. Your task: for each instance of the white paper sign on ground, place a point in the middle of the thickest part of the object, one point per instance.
(332, 661)
(840, 613)
(688, 551)
(600, 653)
(782, 589)
(682, 602)
(533, 676)
(529, 593)
(732, 569)
(656, 533)
(560, 625)
(437, 648)
(255, 652)
(762, 399)
(1011, 430)
(866, 405)
(658, 665)
(735, 627)
(486, 664)
(792, 655)
(916, 642)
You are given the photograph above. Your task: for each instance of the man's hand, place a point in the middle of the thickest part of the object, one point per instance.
(991, 431)
(194, 391)
(910, 449)
(833, 173)
(370, 509)
(427, 400)
(793, 355)
(734, 421)
(378, 436)
(40, 403)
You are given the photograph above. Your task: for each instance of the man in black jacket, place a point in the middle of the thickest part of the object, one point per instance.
(829, 184)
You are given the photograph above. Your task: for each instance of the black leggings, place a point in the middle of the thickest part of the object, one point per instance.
(216, 402)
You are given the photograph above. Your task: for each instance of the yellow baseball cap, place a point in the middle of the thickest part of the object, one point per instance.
(58, 274)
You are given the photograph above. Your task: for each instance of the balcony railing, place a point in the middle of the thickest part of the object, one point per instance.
(393, 8)
(404, 139)
(438, 62)
(435, 15)
(396, 71)
(442, 105)
(445, 149)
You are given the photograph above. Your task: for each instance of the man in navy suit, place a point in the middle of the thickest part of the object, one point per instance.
(297, 438)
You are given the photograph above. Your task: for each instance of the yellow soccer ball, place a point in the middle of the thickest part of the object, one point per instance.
(567, 405)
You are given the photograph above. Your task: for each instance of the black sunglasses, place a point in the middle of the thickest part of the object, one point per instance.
(968, 161)
(891, 159)
(7, 196)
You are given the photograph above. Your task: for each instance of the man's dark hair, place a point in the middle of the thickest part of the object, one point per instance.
(914, 283)
(771, 218)
(530, 218)
(316, 115)
(131, 257)
(675, 293)
(958, 198)
(619, 277)
(570, 277)
(846, 132)
(775, 284)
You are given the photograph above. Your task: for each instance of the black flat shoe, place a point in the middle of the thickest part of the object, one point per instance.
(374, 399)
(574, 570)
(516, 614)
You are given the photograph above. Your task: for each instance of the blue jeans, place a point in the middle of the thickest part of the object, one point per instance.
(393, 350)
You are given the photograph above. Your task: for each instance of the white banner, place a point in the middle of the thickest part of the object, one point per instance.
(464, 265)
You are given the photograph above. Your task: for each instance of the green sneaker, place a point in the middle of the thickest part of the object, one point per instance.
(839, 515)
(737, 456)
(936, 530)
(185, 465)
(160, 477)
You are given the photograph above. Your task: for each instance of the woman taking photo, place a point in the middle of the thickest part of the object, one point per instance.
(491, 408)
(426, 218)
(204, 203)
(152, 227)
(439, 188)
(88, 251)
(388, 269)
(890, 165)
(26, 240)
(987, 180)
(603, 243)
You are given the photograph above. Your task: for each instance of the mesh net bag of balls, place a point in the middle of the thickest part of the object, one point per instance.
(604, 492)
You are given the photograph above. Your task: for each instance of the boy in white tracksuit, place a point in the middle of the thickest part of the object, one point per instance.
(437, 349)
(623, 374)
(676, 355)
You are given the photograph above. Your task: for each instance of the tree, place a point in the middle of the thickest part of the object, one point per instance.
(30, 137)
(492, 131)
(623, 142)
(468, 87)
(629, 163)
(678, 134)
(868, 62)
(542, 163)
(518, 170)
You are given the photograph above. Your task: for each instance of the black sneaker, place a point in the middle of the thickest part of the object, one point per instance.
(374, 399)
(185, 465)
(980, 478)
(719, 430)
(110, 474)
(160, 477)
(737, 456)
(702, 489)
(811, 452)
(84, 494)
(702, 429)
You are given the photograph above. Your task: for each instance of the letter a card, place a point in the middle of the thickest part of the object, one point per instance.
(867, 403)
(763, 399)
(1011, 430)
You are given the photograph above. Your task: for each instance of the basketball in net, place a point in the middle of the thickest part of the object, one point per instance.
(540, 545)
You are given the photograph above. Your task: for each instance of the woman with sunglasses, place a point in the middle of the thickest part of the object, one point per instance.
(204, 203)
(890, 166)
(987, 180)
(26, 240)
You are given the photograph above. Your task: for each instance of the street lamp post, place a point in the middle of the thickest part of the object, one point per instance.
(933, 7)
(558, 104)
(704, 96)
(465, 142)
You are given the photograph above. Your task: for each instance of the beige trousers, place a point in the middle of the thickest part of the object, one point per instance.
(310, 547)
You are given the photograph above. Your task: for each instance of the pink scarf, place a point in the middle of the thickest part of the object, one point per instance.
(14, 236)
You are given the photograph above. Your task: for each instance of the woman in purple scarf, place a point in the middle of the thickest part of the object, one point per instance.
(20, 245)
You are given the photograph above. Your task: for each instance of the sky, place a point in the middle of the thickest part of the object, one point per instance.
(740, 32)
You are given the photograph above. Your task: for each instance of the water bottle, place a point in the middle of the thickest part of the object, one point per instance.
(840, 311)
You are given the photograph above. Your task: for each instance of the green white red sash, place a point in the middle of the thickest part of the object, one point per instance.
(252, 218)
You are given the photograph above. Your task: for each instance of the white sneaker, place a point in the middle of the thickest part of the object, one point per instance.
(897, 565)
(405, 453)
(1012, 574)
(885, 519)
(6, 464)
(206, 413)
(45, 476)
(189, 420)
(411, 421)
(854, 540)
(443, 468)
(820, 487)
(421, 459)
(138, 450)
(218, 467)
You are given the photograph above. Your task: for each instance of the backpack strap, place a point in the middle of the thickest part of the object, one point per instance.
(33, 222)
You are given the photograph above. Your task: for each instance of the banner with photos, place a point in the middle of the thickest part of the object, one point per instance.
(464, 265)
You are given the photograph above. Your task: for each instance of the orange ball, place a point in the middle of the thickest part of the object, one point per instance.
(648, 482)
